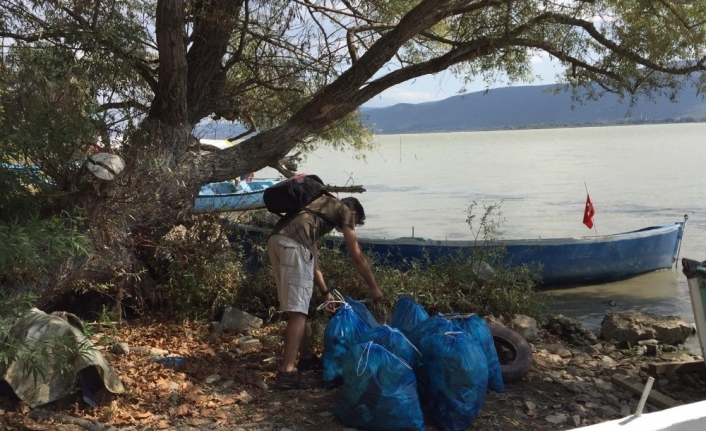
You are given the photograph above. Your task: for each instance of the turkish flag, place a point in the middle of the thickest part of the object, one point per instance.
(588, 212)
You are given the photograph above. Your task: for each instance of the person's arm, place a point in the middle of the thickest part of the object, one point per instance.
(360, 262)
(319, 280)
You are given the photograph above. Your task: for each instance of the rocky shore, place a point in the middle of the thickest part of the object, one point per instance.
(224, 382)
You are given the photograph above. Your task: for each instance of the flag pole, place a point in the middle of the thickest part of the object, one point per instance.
(595, 229)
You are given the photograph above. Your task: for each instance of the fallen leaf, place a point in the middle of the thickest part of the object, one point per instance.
(183, 410)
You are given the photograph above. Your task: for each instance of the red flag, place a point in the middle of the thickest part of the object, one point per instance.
(588, 212)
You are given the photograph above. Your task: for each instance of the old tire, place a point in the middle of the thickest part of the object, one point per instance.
(514, 353)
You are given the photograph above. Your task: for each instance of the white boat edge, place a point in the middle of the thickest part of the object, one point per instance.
(689, 417)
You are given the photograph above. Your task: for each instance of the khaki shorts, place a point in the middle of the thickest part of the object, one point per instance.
(293, 269)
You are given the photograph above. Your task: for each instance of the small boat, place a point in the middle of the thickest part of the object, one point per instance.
(233, 195)
(563, 261)
(695, 272)
(687, 417)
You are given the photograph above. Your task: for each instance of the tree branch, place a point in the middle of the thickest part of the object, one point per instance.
(630, 55)
(125, 105)
(214, 24)
(236, 57)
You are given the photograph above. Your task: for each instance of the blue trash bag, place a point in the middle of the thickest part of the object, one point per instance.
(457, 374)
(478, 328)
(341, 333)
(432, 325)
(380, 391)
(395, 342)
(407, 315)
(363, 312)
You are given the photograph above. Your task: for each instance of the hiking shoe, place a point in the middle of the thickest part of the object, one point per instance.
(291, 380)
(310, 364)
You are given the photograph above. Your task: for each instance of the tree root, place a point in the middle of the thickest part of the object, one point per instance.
(87, 424)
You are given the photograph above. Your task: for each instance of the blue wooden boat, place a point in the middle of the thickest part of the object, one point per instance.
(562, 261)
(232, 195)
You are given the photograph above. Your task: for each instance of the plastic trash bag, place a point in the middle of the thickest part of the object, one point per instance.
(433, 325)
(457, 374)
(380, 391)
(478, 328)
(363, 312)
(395, 342)
(341, 333)
(407, 315)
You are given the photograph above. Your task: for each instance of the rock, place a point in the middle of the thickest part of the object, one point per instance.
(613, 400)
(602, 385)
(120, 349)
(158, 352)
(583, 398)
(607, 363)
(213, 378)
(575, 420)
(633, 326)
(557, 349)
(249, 344)
(239, 321)
(530, 405)
(325, 414)
(608, 411)
(624, 410)
(216, 327)
(556, 419)
(525, 326)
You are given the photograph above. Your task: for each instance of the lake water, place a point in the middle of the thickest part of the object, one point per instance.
(637, 176)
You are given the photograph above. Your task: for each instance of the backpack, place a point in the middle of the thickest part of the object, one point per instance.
(293, 194)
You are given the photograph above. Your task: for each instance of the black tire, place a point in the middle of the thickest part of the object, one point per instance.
(514, 353)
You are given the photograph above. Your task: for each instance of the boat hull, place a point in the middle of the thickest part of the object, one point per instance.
(229, 196)
(689, 417)
(561, 261)
(696, 280)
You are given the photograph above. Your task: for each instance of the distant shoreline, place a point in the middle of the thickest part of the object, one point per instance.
(631, 122)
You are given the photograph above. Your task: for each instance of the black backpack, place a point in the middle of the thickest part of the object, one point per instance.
(293, 194)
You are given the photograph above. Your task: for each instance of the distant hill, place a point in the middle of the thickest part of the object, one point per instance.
(526, 107)
(506, 108)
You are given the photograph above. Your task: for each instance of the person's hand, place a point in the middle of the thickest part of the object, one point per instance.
(376, 294)
(330, 307)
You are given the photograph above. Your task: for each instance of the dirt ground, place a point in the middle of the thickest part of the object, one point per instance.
(222, 387)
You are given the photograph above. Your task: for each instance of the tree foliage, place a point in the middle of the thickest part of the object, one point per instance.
(267, 64)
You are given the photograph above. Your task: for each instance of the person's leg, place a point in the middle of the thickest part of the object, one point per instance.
(293, 269)
(308, 361)
(296, 327)
(305, 346)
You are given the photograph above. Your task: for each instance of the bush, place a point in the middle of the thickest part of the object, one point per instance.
(452, 285)
(203, 274)
(31, 248)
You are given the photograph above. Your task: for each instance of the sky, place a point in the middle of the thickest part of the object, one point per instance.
(444, 85)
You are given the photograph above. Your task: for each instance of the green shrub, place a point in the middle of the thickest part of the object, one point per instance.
(204, 275)
(451, 285)
(30, 248)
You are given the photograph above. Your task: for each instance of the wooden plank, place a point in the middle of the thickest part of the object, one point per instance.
(655, 398)
(677, 367)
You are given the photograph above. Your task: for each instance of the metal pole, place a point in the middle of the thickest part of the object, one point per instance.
(676, 259)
